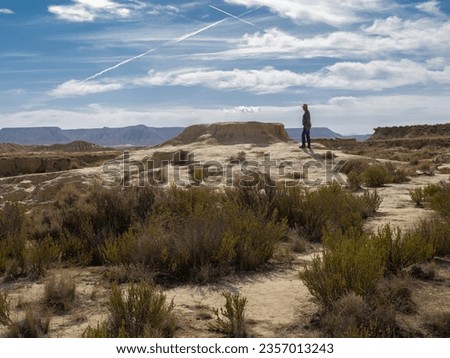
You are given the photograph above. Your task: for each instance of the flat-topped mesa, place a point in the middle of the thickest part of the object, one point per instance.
(411, 132)
(229, 133)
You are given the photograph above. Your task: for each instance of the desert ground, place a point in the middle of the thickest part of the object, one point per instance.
(278, 302)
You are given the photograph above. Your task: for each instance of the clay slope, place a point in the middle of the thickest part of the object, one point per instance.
(232, 133)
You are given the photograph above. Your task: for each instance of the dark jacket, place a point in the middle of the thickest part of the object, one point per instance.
(306, 121)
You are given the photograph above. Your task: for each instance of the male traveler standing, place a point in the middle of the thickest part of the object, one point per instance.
(306, 122)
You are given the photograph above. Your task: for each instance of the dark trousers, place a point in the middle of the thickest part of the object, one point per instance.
(305, 137)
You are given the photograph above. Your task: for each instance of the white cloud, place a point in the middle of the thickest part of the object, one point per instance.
(431, 7)
(267, 80)
(373, 75)
(377, 75)
(355, 76)
(323, 11)
(89, 10)
(243, 109)
(382, 39)
(6, 11)
(81, 88)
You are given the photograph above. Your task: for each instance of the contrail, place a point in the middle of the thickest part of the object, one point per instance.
(178, 40)
(233, 16)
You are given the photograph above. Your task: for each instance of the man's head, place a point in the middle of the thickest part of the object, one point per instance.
(305, 107)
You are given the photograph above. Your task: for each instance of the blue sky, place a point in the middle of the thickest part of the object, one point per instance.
(359, 64)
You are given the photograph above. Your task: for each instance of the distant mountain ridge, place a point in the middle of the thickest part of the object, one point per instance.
(138, 135)
(323, 132)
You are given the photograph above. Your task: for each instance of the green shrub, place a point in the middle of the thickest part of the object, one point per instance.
(351, 262)
(376, 176)
(230, 319)
(402, 251)
(354, 181)
(100, 331)
(417, 195)
(370, 203)
(331, 207)
(434, 231)
(141, 311)
(13, 256)
(59, 294)
(197, 235)
(12, 221)
(430, 190)
(327, 206)
(440, 200)
(41, 255)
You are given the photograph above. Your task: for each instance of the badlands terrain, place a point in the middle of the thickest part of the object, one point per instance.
(278, 302)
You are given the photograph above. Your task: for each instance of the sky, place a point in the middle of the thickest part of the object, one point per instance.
(359, 64)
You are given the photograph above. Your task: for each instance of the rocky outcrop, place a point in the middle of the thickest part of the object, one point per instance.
(230, 133)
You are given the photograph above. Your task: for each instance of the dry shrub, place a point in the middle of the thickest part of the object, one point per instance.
(353, 317)
(356, 166)
(396, 292)
(4, 309)
(354, 181)
(34, 324)
(139, 312)
(100, 331)
(198, 235)
(346, 317)
(136, 273)
(19, 256)
(82, 223)
(60, 294)
(240, 157)
(439, 324)
(230, 319)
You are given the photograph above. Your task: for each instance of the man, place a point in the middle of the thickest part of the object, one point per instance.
(306, 121)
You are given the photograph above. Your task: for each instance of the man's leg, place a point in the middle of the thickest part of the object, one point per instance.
(308, 138)
(303, 138)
